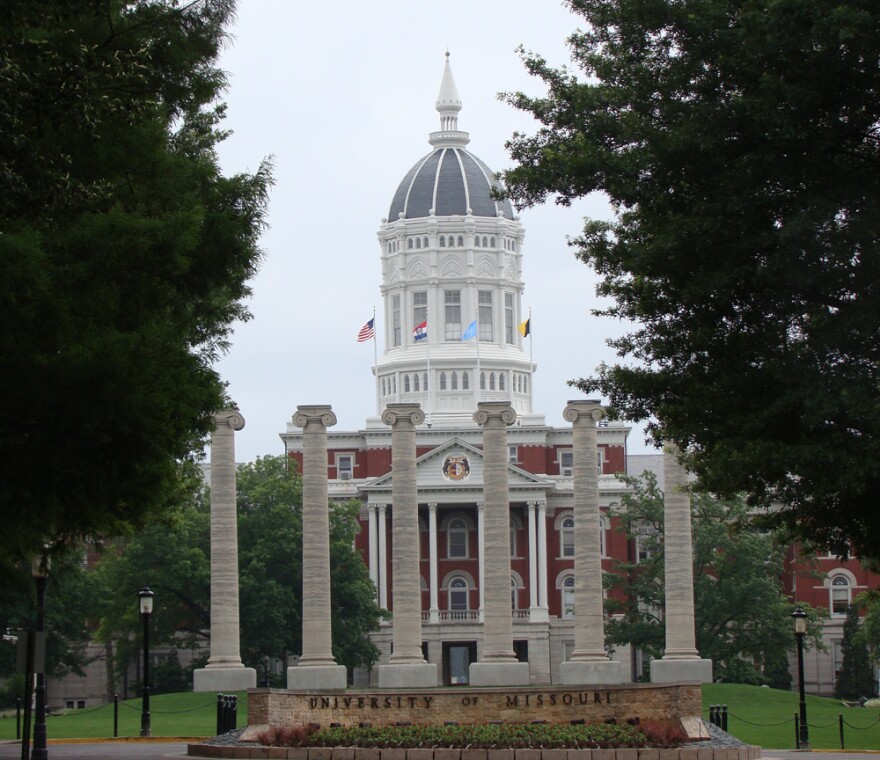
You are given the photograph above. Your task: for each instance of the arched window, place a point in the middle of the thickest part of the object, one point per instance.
(485, 242)
(409, 244)
(566, 536)
(394, 383)
(500, 381)
(482, 381)
(458, 594)
(491, 381)
(465, 383)
(406, 383)
(568, 596)
(492, 241)
(453, 381)
(443, 241)
(460, 241)
(425, 241)
(416, 382)
(457, 539)
(841, 595)
(442, 381)
(425, 381)
(418, 242)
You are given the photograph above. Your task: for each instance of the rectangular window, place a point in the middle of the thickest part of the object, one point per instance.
(396, 330)
(509, 326)
(344, 466)
(419, 307)
(452, 305)
(486, 323)
(566, 462)
(600, 458)
(512, 454)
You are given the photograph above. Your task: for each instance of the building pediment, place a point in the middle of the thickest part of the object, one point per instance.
(457, 466)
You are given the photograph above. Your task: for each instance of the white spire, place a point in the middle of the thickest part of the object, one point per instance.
(448, 105)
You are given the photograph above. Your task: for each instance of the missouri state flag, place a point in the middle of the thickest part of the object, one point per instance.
(420, 332)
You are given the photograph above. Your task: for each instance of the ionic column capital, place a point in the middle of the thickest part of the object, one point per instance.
(499, 412)
(322, 415)
(231, 417)
(398, 415)
(583, 410)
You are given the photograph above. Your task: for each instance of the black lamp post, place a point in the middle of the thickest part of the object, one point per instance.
(40, 571)
(800, 628)
(145, 602)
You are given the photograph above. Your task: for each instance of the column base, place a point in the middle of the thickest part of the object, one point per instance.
(421, 675)
(539, 615)
(672, 671)
(309, 677)
(224, 679)
(499, 674)
(595, 672)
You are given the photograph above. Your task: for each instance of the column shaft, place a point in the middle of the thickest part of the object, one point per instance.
(533, 559)
(383, 557)
(542, 555)
(434, 574)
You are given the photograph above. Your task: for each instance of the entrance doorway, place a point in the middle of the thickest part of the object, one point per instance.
(457, 659)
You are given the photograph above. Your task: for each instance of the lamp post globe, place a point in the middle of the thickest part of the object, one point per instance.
(799, 618)
(145, 606)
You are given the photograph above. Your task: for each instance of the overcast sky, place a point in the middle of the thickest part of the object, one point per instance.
(342, 95)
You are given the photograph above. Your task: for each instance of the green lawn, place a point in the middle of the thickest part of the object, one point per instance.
(756, 716)
(766, 717)
(185, 714)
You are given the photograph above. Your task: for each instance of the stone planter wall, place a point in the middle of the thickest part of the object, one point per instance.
(356, 753)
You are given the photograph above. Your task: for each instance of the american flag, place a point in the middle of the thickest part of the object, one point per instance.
(366, 332)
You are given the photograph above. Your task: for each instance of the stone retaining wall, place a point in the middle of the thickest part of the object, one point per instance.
(357, 753)
(663, 703)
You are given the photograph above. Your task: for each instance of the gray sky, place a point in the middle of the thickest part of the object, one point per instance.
(342, 95)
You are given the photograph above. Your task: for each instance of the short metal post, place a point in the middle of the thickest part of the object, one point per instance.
(115, 715)
(219, 714)
(233, 714)
(840, 724)
(18, 718)
(797, 733)
(724, 718)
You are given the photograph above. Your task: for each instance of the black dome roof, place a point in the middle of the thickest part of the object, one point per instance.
(449, 180)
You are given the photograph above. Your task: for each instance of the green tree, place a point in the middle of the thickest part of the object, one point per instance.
(125, 255)
(856, 676)
(737, 141)
(742, 615)
(172, 556)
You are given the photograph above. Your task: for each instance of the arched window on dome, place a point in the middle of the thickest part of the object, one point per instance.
(394, 384)
(443, 241)
(442, 381)
(416, 382)
(425, 242)
(418, 242)
(460, 241)
(406, 383)
(409, 244)
(500, 381)
(485, 242)
(425, 381)
(465, 381)
(482, 381)
(491, 381)
(453, 381)
(492, 241)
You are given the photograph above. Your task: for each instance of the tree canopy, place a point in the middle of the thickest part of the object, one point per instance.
(742, 614)
(125, 255)
(738, 143)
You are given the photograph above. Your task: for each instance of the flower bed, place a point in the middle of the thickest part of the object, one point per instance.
(479, 736)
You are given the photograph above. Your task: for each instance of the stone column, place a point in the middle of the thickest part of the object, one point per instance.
(681, 660)
(432, 561)
(533, 561)
(374, 547)
(383, 557)
(224, 671)
(498, 665)
(589, 663)
(481, 557)
(316, 669)
(407, 667)
(542, 558)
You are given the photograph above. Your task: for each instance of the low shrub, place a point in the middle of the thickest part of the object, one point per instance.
(508, 735)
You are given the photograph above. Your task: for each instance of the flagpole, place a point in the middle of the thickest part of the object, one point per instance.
(376, 364)
(477, 320)
(430, 379)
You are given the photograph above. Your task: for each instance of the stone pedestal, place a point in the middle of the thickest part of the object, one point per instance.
(311, 677)
(499, 673)
(591, 673)
(681, 671)
(408, 676)
(224, 679)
